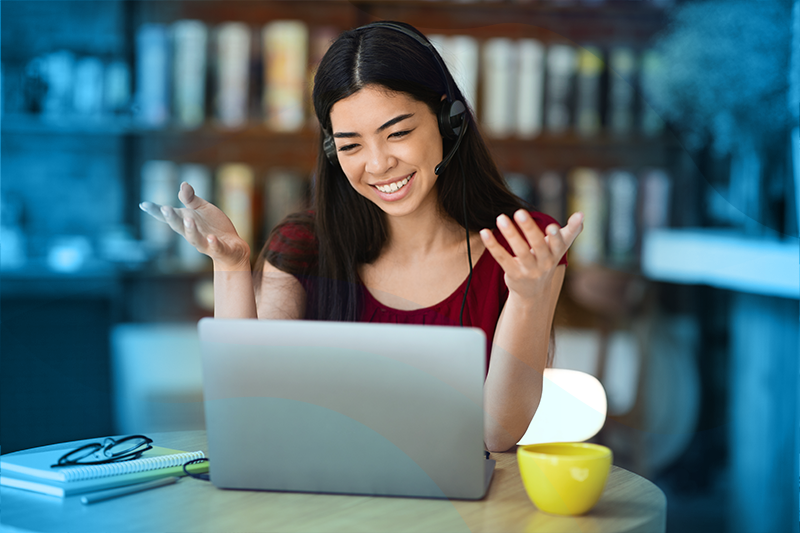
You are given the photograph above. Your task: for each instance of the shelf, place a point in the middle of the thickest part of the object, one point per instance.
(723, 259)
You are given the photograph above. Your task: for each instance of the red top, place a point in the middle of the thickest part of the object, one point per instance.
(485, 300)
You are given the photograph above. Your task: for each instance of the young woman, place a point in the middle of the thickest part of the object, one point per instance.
(398, 231)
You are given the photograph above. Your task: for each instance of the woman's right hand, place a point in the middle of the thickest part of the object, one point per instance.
(206, 228)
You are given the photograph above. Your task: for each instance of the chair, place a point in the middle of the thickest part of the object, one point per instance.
(572, 409)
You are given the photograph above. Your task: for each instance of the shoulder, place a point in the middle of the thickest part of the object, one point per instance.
(292, 244)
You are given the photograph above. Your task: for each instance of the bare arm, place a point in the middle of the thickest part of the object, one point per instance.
(513, 386)
(280, 296)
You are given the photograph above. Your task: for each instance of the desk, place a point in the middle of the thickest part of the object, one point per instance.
(629, 504)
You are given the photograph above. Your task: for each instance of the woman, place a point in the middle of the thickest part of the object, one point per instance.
(389, 239)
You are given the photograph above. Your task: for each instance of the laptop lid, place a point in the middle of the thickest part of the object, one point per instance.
(339, 407)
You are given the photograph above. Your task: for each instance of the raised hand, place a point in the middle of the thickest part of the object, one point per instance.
(536, 255)
(205, 226)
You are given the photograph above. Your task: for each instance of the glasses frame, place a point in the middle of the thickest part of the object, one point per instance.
(134, 452)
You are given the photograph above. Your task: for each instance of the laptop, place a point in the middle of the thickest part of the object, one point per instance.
(345, 408)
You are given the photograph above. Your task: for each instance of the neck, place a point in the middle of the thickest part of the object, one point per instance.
(422, 233)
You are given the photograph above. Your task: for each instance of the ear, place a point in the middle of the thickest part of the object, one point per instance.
(443, 98)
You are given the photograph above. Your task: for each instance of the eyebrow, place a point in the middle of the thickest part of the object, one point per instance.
(390, 123)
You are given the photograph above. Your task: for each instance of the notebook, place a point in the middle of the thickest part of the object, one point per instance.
(30, 469)
(345, 408)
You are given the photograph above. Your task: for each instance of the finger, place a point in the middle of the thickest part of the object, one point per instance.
(500, 254)
(188, 198)
(172, 218)
(192, 235)
(520, 247)
(154, 210)
(533, 234)
(573, 228)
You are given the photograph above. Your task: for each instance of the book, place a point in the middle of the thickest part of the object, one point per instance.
(650, 123)
(561, 67)
(587, 105)
(87, 96)
(159, 185)
(152, 68)
(656, 187)
(190, 41)
(530, 89)
(116, 87)
(285, 50)
(587, 195)
(550, 195)
(460, 54)
(622, 220)
(499, 86)
(30, 469)
(235, 195)
(232, 74)
(622, 69)
(286, 193)
(199, 177)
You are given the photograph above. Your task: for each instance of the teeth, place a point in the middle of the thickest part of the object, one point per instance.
(393, 187)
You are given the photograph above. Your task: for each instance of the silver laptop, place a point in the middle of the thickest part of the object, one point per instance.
(347, 408)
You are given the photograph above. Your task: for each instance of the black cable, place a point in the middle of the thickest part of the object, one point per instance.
(204, 477)
(466, 227)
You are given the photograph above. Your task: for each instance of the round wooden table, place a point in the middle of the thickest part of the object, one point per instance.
(629, 503)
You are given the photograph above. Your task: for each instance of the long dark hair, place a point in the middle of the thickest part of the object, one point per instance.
(350, 230)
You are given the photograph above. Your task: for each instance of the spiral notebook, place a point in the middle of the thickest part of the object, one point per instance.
(30, 469)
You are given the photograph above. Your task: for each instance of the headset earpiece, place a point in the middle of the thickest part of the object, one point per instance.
(451, 119)
(329, 145)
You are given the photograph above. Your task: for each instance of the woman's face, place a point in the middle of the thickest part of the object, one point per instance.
(388, 145)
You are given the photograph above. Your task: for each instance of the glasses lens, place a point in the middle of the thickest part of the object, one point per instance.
(124, 446)
(83, 453)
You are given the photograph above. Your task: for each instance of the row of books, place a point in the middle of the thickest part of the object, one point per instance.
(189, 74)
(255, 202)
(619, 205)
(528, 88)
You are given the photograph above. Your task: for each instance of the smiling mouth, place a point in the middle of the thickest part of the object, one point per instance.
(394, 187)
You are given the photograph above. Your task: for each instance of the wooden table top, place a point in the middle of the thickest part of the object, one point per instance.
(629, 503)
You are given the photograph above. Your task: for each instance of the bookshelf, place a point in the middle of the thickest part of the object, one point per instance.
(117, 25)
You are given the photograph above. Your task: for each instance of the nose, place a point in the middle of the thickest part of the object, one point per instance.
(380, 160)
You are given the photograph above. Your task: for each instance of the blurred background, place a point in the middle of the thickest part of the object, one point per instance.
(673, 125)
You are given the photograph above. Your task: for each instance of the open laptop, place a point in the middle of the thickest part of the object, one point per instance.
(348, 408)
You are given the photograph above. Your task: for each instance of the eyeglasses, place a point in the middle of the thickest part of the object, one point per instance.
(109, 451)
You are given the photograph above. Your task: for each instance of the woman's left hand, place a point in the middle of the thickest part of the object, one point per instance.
(536, 255)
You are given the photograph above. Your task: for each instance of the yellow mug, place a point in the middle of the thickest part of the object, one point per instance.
(564, 478)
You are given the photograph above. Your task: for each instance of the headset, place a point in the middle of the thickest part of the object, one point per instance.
(452, 115)
(453, 123)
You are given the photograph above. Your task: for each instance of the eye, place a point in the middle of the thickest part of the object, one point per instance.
(347, 147)
(399, 134)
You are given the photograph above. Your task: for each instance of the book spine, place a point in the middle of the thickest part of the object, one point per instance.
(656, 195)
(158, 185)
(587, 105)
(117, 87)
(199, 177)
(285, 45)
(88, 89)
(285, 194)
(622, 224)
(622, 69)
(499, 60)
(232, 74)
(151, 74)
(561, 67)
(588, 196)
(461, 56)
(550, 196)
(190, 39)
(234, 193)
(320, 39)
(650, 122)
(530, 92)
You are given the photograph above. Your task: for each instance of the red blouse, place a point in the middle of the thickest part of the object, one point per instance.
(485, 300)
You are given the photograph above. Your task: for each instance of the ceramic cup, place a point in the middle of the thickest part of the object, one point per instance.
(564, 478)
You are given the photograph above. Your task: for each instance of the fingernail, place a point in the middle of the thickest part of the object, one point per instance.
(552, 230)
(141, 206)
(502, 221)
(521, 216)
(484, 234)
